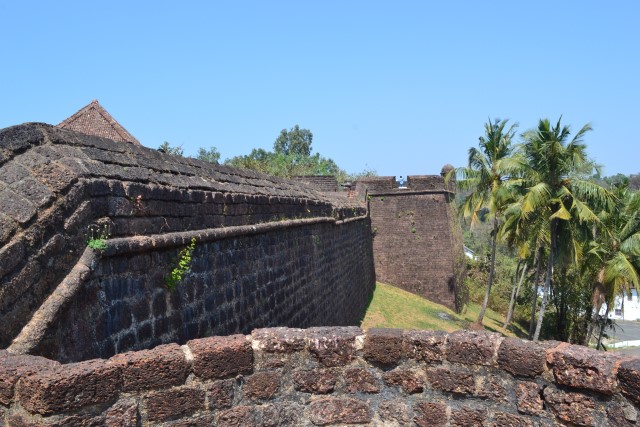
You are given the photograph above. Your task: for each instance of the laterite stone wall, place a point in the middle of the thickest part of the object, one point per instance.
(328, 376)
(417, 242)
(269, 251)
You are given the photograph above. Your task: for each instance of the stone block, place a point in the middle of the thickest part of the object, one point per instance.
(16, 206)
(278, 340)
(161, 367)
(454, 380)
(91, 382)
(502, 419)
(582, 367)
(629, 378)
(122, 413)
(32, 190)
(383, 346)
(315, 381)
(575, 408)
(492, 387)
(339, 411)
(221, 357)
(12, 368)
(468, 417)
(281, 414)
(430, 414)
(528, 398)
(521, 358)
(239, 416)
(220, 394)
(409, 381)
(359, 380)
(424, 346)
(173, 404)
(332, 346)
(262, 385)
(472, 348)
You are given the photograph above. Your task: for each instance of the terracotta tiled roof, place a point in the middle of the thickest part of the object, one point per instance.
(95, 120)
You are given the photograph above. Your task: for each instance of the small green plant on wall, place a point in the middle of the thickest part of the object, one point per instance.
(181, 266)
(98, 235)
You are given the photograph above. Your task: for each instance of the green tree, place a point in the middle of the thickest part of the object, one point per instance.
(295, 141)
(211, 155)
(486, 179)
(166, 147)
(554, 186)
(614, 254)
(291, 157)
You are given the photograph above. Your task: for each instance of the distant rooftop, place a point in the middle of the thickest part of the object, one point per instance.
(93, 119)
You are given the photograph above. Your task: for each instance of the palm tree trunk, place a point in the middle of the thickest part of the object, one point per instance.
(514, 296)
(494, 236)
(547, 279)
(602, 327)
(538, 262)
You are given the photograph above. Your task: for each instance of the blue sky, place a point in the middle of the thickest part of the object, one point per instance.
(400, 87)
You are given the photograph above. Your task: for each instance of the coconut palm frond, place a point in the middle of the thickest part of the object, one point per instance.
(620, 269)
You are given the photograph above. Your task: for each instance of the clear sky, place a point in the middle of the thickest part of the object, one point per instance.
(401, 87)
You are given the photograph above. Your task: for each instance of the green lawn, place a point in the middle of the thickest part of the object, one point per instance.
(392, 307)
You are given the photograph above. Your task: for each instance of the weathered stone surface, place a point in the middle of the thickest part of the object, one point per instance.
(491, 387)
(621, 414)
(12, 368)
(427, 346)
(316, 381)
(521, 358)
(220, 394)
(454, 380)
(468, 417)
(221, 357)
(90, 382)
(281, 414)
(339, 410)
(472, 348)
(571, 407)
(16, 206)
(332, 346)
(262, 385)
(430, 414)
(528, 398)
(361, 380)
(629, 378)
(279, 340)
(173, 404)
(161, 367)
(123, 413)
(410, 381)
(7, 228)
(397, 411)
(581, 367)
(383, 346)
(502, 419)
(239, 416)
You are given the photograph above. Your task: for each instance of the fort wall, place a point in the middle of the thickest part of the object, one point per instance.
(261, 242)
(329, 376)
(417, 241)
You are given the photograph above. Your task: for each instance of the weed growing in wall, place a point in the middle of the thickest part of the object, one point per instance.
(97, 238)
(181, 266)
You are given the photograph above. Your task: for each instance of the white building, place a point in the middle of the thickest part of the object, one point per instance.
(626, 307)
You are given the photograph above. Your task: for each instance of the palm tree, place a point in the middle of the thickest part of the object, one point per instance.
(486, 175)
(556, 188)
(615, 252)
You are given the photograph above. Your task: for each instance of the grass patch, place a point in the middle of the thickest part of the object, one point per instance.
(393, 307)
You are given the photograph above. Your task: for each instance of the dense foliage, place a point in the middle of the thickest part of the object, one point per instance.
(561, 242)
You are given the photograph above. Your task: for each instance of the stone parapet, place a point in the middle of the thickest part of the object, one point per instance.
(328, 376)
